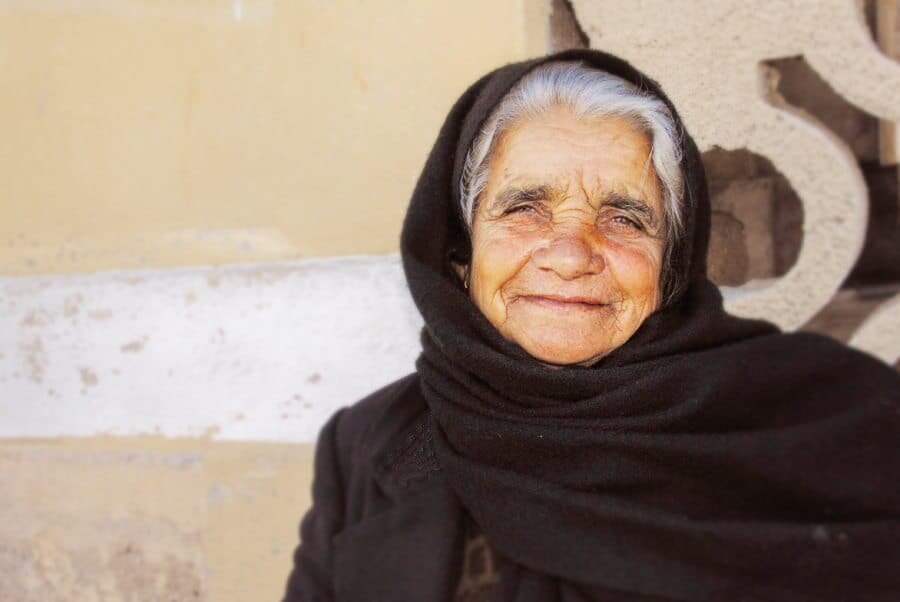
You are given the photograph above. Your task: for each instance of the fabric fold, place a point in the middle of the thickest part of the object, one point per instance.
(707, 458)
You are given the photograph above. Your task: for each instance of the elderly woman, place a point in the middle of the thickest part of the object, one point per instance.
(585, 421)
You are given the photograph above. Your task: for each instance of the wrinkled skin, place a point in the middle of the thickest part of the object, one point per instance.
(567, 237)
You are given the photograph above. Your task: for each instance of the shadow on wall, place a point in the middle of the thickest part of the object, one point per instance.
(757, 218)
(804, 89)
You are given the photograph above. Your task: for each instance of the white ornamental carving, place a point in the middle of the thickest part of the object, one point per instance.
(710, 58)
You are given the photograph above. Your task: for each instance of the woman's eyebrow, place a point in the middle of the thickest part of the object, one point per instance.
(510, 196)
(631, 204)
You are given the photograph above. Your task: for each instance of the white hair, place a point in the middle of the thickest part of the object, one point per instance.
(588, 92)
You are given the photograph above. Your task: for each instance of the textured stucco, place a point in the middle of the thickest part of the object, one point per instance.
(148, 519)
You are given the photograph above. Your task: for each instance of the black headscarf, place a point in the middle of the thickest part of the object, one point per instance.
(707, 458)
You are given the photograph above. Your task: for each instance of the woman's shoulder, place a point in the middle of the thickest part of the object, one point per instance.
(372, 420)
(824, 357)
(370, 433)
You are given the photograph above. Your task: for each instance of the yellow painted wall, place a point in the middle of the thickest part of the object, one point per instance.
(154, 133)
(141, 133)
(109, 520)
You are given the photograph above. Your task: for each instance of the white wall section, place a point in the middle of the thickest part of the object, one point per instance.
(252, 352)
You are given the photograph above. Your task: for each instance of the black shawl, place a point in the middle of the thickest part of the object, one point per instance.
(708, 458)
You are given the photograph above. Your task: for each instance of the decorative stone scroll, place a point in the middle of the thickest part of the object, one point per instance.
(880, 333)
(710, 57)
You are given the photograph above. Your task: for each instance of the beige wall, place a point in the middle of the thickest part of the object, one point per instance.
(140, 133)
(148, 133)
(148, 519)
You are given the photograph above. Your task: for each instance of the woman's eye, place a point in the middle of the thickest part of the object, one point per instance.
(526, 208)
(628, 222)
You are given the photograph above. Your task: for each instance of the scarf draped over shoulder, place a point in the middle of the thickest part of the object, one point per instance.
(707, 458)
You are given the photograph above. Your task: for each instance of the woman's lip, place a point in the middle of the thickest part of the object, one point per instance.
(563, 301)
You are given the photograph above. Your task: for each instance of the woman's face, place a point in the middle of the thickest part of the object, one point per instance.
(567, 237)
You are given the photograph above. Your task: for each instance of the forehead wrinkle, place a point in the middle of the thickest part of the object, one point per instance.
(603, 189)
(518, 184)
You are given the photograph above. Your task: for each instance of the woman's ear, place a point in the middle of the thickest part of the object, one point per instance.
(459, 259)
(462, 270)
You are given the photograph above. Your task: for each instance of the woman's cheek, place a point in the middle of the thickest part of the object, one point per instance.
(636, 269)
(498, 257)
(500, 253)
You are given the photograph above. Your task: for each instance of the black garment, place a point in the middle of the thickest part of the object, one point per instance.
(707, 458)
(481, 567)
(384, 525)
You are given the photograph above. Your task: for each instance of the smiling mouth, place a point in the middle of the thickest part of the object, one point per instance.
(560, 302)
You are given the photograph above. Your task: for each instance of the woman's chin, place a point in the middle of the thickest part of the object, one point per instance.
(562, 352)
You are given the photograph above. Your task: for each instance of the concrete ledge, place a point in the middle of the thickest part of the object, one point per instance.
(255, 352)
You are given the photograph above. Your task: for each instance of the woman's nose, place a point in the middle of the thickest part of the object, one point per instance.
(570, 256)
